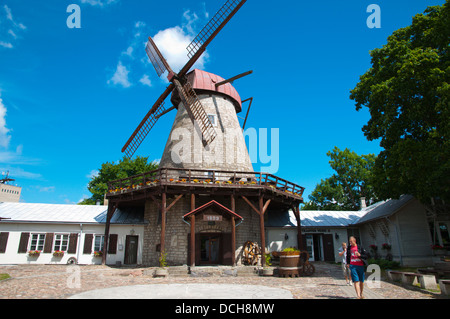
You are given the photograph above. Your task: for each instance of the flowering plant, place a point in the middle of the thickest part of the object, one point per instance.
(34, 253)
(373, 247)
(98, 253)
(58, 253)
(386, 246)
(437, 247)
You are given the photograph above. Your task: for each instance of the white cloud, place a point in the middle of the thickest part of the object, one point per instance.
(145, 80)
(10, 29)
(94, 173)
(7, 45)
(172, 43)
(120, 77)
(99, 3)
(4, 131)
(49, 189)
(16, 173)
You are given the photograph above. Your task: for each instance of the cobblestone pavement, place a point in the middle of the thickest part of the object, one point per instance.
(60, 282)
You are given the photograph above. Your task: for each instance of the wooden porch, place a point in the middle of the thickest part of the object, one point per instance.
(166, 186)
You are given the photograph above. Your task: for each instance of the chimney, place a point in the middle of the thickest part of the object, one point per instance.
(363, 203)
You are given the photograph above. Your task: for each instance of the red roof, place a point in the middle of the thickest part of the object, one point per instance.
(201, 80)
(216, 204)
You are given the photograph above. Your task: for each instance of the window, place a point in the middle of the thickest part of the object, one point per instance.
(37, 242)
(212, 119)
(61, 242)
(99, 240)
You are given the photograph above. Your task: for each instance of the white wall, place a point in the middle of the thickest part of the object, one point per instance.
(11, 256)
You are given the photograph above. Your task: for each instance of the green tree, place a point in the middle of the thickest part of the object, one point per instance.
(344, 189)
(126, 167)
(407, 92)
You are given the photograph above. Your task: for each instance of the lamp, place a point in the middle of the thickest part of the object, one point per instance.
(286, 237)
(336, 236)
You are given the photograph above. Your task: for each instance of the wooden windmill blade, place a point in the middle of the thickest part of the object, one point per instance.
(210, 31)
(196, 112)
(146, 124)
(159, 62)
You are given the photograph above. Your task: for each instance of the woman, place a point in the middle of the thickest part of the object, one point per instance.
(345, 269)
(356, 261)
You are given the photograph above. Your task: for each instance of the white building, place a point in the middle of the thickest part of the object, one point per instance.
(10, 193)
(404, 224)
(78, 231)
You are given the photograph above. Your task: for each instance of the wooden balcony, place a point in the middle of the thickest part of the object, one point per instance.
(174, 180)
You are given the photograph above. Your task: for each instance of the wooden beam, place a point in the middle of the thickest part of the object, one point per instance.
(233, 241)
(192, 231)
(174, 202)
(163, 223)
(251, 205)
(266, 205)
(262, 230)
(111, 210)
(233, 231)
(296, 210)
(192, 240)
(234, 78)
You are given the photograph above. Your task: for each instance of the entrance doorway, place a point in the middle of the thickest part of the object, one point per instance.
(131, 250)
(210, 249)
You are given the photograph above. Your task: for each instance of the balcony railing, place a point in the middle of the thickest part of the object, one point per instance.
(202, 177)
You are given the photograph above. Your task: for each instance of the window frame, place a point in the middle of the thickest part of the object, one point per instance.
(40, 237)
(55, 239)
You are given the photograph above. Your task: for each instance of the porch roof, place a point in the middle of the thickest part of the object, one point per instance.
(216, 205)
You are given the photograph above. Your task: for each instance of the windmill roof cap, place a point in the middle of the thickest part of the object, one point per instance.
(202, 80)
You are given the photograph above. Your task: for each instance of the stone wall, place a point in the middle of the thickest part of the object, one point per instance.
(177, 230)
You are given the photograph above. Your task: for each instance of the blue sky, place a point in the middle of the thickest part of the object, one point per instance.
(70, 98)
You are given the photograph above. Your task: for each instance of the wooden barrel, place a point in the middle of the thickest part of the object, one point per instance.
(291, 265)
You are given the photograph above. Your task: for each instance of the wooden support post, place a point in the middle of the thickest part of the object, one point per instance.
(263, 235)
(296, 210)
(163, 222)
(233, 231)
(233, 241)
(109, 215)
(192, 240)
(192, 231)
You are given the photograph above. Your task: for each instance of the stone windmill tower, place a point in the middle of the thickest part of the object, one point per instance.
(221, 103)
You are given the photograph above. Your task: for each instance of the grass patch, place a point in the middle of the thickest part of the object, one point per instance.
(4, 276)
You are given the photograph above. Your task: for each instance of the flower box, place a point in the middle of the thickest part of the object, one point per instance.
(34, 253)
(58, 254)
(98, 254)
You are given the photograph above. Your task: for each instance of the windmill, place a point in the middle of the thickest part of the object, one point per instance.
(179, 84)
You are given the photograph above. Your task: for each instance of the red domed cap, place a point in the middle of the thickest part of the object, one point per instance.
(205, 81)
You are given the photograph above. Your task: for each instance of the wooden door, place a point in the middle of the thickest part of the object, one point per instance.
(328, 247)
(131, 250)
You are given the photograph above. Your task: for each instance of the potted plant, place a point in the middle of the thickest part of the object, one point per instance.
(290, 262)
(98, 254)
(34, 253)
(386, 246)
(58, 254)
(266, 271)
(162, 271)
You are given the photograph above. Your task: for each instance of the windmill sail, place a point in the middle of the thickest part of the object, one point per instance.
(213, 27)
(196, 111)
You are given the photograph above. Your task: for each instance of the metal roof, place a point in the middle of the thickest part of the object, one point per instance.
(66, 214)
(385, 208)
(202, 80)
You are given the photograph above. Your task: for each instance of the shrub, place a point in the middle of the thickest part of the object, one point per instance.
(384, 264)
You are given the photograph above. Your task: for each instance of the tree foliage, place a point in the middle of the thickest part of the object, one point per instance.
(344, 189)
(126, 167)
(407, 92)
